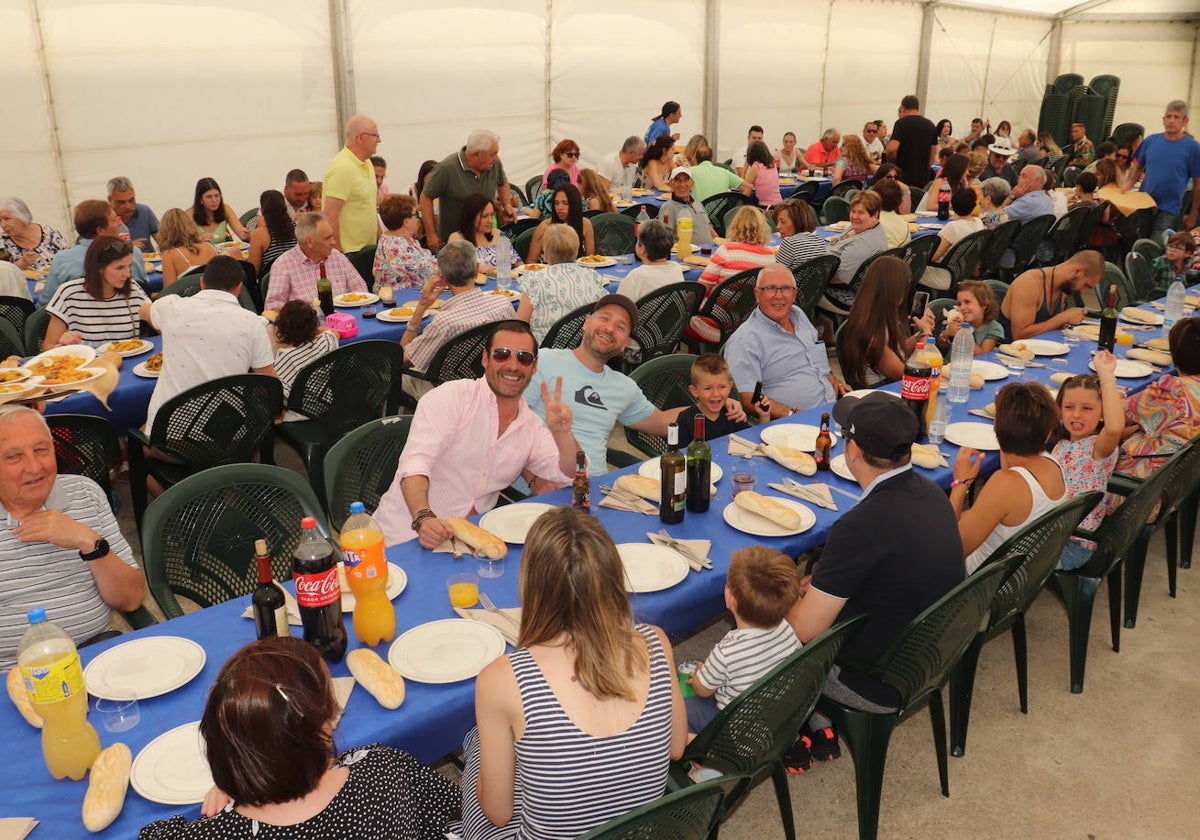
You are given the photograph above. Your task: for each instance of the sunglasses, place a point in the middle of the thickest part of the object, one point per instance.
(1122, 157)
(572, 154)
(503, 354)
(120, 247)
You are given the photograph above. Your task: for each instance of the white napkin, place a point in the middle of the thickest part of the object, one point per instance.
(643, 506)
(698, 547)
(293, 613)
(507, 621)
(815, 494)
(342, 686)
(741, 447)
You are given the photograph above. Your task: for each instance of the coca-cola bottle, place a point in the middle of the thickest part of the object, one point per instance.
(914, 388)
(943, 201)
(318, 594)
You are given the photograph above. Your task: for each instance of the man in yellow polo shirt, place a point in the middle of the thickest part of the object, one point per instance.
(349, 188)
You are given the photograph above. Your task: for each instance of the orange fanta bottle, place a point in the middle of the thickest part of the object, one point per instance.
(367, 575)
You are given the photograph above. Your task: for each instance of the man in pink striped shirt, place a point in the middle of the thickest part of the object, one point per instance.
(295, 274)
(471, 438)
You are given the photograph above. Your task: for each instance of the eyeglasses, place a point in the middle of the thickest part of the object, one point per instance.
(371, 134)
(503, 354)
(572, 154)
(870, 130)
(776, 290)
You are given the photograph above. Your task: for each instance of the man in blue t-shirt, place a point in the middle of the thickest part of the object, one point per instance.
(1170, 160)
(599, 396)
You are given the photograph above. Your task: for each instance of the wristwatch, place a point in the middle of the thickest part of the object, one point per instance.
(99, 550)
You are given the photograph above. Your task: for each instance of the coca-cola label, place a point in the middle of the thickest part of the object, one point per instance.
(317, 590)
(914, 387)
(350, 558)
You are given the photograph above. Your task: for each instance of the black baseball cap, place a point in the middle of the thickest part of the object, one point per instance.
(881, 424)
(622, 301)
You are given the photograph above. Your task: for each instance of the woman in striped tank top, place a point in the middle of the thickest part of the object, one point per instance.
(578, 724)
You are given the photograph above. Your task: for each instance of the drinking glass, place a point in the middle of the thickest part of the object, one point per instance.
(744, 475)
(119, 715)
(463, 589)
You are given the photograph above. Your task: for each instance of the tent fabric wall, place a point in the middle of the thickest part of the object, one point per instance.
(243, 91)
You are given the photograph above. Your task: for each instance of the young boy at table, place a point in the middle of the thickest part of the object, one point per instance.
(711, 384)
(1175, 262)
(761, 587)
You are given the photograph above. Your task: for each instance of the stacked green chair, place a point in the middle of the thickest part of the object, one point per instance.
(917, 664)
(1029, 558)
(361, 466)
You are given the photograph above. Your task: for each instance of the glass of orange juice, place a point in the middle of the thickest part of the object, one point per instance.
(1125, 339)
(463, 589)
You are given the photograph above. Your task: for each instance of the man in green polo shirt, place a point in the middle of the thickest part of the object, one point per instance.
(709, 179)
(475, 168)
(349, 188)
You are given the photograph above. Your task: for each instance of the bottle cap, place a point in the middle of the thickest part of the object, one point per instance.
(357, 507)
(260, 547)
(308, 522)
(36, 615)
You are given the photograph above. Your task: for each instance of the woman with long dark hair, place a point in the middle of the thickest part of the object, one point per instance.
(213, 216)
(656, 163)
(275, 233)
(879, 333)
(566, 209)
(100, 306)
(477, 225)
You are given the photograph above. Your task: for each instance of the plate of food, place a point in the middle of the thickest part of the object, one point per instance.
(621, 202)
(72, 376)
(20, 388)
(13, 374)
(63, 365)
(1134, 315)
(524, 267)
(838, 227)
(767, 516)
(401, 314)
(127, 347)
(596, 261)
(355, 299)
(1045, 347)
(150, 368)
(508, 293)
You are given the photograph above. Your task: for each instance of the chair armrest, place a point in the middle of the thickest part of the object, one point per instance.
(620, 458)
(140, 437)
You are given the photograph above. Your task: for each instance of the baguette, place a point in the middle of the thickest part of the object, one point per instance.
(1060, 377)
(769, 509)
(1159, 343)
(1018, 350)
(638, 485)
(927, 457)
(1139, 316)
(20, 698)
(1154, 357)
(378, 677)
(480, 540)
(794, 459)
(107, 785)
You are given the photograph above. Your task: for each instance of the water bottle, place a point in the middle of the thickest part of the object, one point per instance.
(503, 264)
(962, 353)
(1175, 297)
(53, 678)
(938, 418)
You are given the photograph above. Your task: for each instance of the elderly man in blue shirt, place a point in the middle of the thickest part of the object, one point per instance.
(779, 346)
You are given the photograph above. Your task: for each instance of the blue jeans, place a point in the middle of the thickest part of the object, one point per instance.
(1074, 555)
(700, 712)
(1164, 221)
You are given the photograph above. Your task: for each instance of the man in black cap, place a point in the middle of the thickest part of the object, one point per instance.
(889, 557)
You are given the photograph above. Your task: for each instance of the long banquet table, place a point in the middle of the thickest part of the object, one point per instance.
(434, 718)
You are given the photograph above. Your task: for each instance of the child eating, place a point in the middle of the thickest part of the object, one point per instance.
(977, 308)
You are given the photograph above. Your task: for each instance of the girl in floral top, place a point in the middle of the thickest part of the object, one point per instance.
(400, 262)
(1092, 419)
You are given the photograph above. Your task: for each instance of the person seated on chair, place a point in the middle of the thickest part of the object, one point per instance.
(298, 340)
(963, 222)
(138, 220)
(182, 247)
(868, 565)
(745, 247)
(824, 153)
(865, 238)
(599, 396)
(467, 308)
(1028, 198)
(779, 346)
(471, 438)
(654, 243)
(295, 273)
(564, 285)
(710, 384)
(681, 204)
(1083, 151)
(880, 332)
(100, 306)
(754, 135)
(708, 179)
(1176, 262)
(206, 336)
(618, 170)
(1037, 301)
(54, 521)
(92, 218)
(891, 197)
(998, 166)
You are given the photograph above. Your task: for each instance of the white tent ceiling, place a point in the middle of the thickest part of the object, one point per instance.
(168, 91)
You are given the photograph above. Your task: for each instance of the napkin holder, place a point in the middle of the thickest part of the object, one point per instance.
(342, 324)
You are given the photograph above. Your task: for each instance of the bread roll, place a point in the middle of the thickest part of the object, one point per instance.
(1091, 331)
(1159, 343)
(379, 678)
(107, 784)
(638, 485)
(1018, 350)
(781, 515)
(1139, 316)
(20, 698)
(794, 459)
(1154, 357)
(927, 457)
(480, 540)
(1060, 377)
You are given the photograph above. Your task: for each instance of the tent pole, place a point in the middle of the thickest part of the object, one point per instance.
(927, 15)
(548, 68)
(343, 66)
(712, 67)
(987, 72)
(1192, 91)
(822, 125)
(1054, 53)
(52, 110)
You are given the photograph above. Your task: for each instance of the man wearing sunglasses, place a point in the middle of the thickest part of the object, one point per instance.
(599, 396)
(471, 438)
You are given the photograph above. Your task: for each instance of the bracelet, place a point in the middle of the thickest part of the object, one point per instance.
(422, 515)
(412, 327)
(961, 482)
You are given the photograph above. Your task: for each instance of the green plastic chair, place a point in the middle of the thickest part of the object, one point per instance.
(338, 393)
(1149, 249)
(1141, 276)
(917, 665)
(1025, 245)
(1123, 533)
(567, 331)
(961, 261)
(361, 466)
(1029, 557)
(835, 209)
(689, 814)
(11, 343)
(812, 277)
(999, 289)
(533, 187)
(1064, 235)
(16, 310)
(718, 206)
(198, 536)
(224, 421)
(363, 261)
(665, 382)
(727, 307)
(188, 283)
(85, 445)
(663, 316)
(613, 233)
(1000, 241)
(916, 195)
(524, 241)
(1114, 278)
(939, 307)
(35, 331)
(917, 254)
(752, 733)
(460, 357)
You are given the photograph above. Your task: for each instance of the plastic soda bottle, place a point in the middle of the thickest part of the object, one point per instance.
(683, 234)
(53, 678)
(367, 574)
(318, 594)
(933, 355)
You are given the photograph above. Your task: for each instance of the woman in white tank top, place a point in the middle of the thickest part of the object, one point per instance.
(1028, 483)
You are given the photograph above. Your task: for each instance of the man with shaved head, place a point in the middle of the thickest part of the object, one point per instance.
(349, 188)
(1040, 300)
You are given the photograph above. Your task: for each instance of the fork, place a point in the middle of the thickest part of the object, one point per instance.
(491, 607)
(683, 549)
(627, 498)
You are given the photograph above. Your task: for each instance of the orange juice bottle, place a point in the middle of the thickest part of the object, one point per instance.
(53, 677)
(934, 357)
(367, 574)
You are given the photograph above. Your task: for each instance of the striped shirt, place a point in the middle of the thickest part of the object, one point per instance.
(289, 361)
(733, 257)
(276, 249)
(568, 781)
(800, 248)
(45, 575)
(97, 321)
(743, 656)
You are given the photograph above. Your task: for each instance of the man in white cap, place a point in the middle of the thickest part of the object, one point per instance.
(681, 204)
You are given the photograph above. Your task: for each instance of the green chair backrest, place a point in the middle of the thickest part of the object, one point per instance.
(663, 316)
(688, 814)
(730, 303)
(1114, 278)
(717, 206)
(221, 421)
(198, 537)
(11, 342)
(962, 260)
(355, 383)
(613, 233)
(1141, 276)
(188, 283)
(360, 467)
(999, 242)
(665, 382)
(363, 261)
(917, 253)
(1028, 238)
(1182, 480)
(938, 307)
(35, 331)
(85, 445)
(16, 310)
(523, 242)
(835, 209)
(1149, 249)
(567, 331)
(812, 277)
